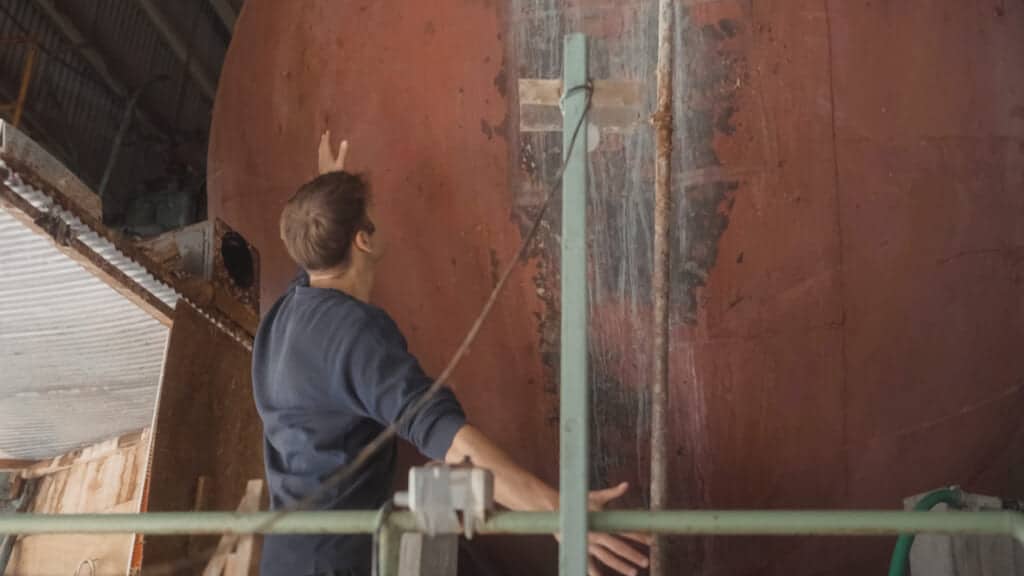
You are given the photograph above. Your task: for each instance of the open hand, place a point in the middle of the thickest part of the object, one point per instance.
(616, 551)
(326, 160)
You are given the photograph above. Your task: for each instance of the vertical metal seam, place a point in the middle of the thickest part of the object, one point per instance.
(662, 121)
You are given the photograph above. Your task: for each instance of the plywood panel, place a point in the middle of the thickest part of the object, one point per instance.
(206, 425)
(103, 478)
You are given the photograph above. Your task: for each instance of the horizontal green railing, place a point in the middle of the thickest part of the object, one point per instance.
(704, 522)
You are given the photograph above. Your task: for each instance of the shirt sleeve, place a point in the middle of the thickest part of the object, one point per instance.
(387, 380)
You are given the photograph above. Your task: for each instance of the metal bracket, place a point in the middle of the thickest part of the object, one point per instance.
(438, 492)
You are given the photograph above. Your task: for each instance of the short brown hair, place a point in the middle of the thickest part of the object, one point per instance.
(320, 222)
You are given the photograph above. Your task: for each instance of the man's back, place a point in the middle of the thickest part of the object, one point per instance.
(329, 373)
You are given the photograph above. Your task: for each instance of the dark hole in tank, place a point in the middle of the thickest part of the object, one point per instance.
(238, 260)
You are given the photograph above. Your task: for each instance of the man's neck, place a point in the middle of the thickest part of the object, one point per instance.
(356, 281)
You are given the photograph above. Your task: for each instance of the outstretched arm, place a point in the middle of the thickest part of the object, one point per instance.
(517, 489)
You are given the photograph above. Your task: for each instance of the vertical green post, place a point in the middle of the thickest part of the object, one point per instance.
(389, 550)
(575, 402)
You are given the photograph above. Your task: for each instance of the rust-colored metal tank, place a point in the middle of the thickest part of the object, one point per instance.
(848, 240)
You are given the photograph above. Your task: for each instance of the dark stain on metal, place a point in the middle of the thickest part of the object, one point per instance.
(699, 126)
(711, 77)
(729, 27)
(702, 216)
(724, 122)
(495, 266)
(501, 79)
(712, 33)
(501, 129)
(486, 129)
(613, 423)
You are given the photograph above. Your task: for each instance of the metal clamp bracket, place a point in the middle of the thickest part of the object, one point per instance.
(438, 492)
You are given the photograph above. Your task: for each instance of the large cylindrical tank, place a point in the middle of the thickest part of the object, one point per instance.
(848, 238)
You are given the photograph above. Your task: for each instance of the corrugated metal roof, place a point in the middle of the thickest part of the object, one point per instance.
(78, 361)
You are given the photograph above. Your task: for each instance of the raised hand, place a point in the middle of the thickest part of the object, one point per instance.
(326, 160)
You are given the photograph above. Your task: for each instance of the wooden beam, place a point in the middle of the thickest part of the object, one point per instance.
(91, 453)
(49, 227)
(234, 555)
(24, 155)
(12, 464)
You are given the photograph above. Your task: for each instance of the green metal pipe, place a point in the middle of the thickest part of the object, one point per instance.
(574, 395)
(389, 556)
(340, 522)
(771, 522)
(706, 522)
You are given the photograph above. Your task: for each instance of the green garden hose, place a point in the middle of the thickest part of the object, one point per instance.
(901, 553)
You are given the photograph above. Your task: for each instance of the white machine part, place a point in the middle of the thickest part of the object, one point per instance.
(438, 492)
(965, 555)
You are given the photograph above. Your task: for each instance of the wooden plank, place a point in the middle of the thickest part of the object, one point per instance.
(16, 148)
(206, 425)
(49, 554)
(244, 561)
(617, 106)
(103, 478)
(130, 441)
(535, 118)
(234, 555)
(62, 553)
(95, 484)
(607, 93)
(13, 464)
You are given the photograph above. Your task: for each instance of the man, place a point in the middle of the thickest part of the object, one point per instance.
(331, 371)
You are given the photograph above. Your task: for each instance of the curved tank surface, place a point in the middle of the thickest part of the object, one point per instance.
(847, 309)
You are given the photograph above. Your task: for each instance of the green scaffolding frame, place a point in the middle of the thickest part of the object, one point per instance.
(573, 520)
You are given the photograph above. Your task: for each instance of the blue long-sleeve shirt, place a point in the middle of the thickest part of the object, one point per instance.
(330, 373)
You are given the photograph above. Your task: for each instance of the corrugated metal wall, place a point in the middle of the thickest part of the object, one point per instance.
(80, 362)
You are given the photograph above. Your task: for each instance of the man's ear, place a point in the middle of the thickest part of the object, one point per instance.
(363, 242)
